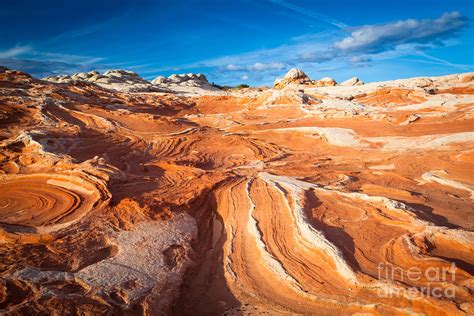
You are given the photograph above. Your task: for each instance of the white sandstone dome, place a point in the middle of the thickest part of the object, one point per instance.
(354, 81)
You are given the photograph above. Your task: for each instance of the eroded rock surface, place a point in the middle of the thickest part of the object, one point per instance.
(354, 81)
(296, 77)
(304, 199)
(121, 80)
(186, 83)
(293, 76)
(128, 81)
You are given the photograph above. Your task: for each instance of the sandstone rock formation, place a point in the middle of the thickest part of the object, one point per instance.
(128, 81)
(345, 199)
(293, 76)
(296, 77)
(324, 82)
(187, 83)
(193, 78)
(354, 81)
(120, 80)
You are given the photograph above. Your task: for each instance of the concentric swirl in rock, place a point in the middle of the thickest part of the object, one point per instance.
(45, 201)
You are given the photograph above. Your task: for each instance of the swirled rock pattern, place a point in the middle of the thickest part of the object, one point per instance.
(307, 198)
(44, 200)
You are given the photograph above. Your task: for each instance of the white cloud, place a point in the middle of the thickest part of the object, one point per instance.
(379, 37)
(233, 67)
(65, 58)
(268, 66)
(382, 41)
(14, 51)
(401, 38)
(256, 67)
(29, 53)
(321, 52)
(45, 68)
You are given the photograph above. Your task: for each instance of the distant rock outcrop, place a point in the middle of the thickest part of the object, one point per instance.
(128, 81)
(185, 83)
(181, 78)
(324, 82)
(117, 79)
(354, 81)
(293, 76)
(296, 76)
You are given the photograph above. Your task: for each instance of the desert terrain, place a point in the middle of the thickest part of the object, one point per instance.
(175, 196)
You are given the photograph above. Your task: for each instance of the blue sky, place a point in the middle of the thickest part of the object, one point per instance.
(240, 41)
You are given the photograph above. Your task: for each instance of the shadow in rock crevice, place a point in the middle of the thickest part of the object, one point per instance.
(205, 290)
(425, 212)
(336, 235)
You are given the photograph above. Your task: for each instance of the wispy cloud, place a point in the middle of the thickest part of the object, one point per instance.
(45, 68)
(310, 13)
(412, 50)
(45, 58)
(40, 63)
(380, 37)
(14, 51)
(437, 61)
(365, 46)
(77, 33)
(31, 53)
(256, 67)
(65, 58)
(445, 62)
(337, 48)
(418, 35)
